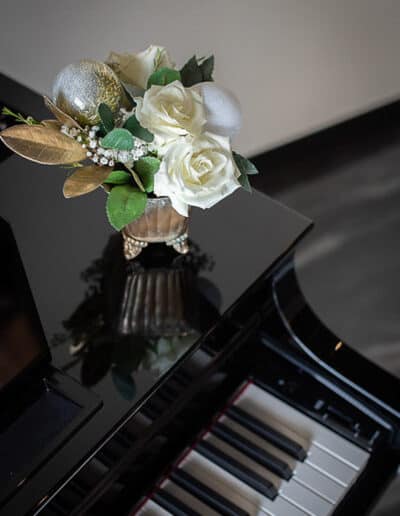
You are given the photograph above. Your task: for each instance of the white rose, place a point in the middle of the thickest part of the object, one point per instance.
(135, 69)
(171, 111)
(223, 112)
(197, 172)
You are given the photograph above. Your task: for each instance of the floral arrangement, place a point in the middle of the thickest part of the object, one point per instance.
(139, 127)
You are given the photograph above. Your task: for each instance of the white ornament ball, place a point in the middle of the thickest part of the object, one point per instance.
(224, 116)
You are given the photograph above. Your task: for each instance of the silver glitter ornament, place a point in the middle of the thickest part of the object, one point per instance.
(80, 88)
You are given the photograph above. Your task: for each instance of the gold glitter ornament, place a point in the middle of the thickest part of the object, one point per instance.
(80, 88)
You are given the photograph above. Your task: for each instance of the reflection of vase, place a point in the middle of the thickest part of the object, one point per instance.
(159, 302)
(159, 223)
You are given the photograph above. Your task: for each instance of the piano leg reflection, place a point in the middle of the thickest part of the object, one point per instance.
(259, 456)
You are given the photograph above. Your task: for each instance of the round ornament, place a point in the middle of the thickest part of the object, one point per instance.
(80, 88)
(224, 116)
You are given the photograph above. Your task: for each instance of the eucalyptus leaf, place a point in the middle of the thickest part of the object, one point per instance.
(125, 204)
(120, 139)
(244, 181)
(244, 165)
(118, 177)
(134, 127)
(146, 168)
(106, 117)
(191, 73)
(207, 68)
(102, 130)
(163, 76)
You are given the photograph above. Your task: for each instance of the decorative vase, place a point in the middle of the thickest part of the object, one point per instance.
(159, 223)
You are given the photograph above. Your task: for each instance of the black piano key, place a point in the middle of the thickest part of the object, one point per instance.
(171, 504)
(207, 495)
(237, 469)
(251, 450)
(266, 432)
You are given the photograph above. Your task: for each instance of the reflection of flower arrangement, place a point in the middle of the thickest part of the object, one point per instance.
(148, 129)
(110, 331)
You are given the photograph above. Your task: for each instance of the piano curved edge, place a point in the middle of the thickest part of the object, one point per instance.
(308, 336)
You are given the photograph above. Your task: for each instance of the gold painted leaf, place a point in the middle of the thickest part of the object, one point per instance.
(52, 124)
(85, 180)
(60, 115)
(42, 145)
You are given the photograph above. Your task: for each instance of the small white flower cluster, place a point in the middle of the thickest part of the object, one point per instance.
(98, 154)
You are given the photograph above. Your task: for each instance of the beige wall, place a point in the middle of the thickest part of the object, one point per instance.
(296, 65)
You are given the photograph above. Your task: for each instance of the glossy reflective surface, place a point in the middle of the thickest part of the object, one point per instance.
(136, 318)
(22, 343)
(119, 328)
(62, 244)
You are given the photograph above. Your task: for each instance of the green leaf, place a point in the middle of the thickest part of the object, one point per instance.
(191, 73)
(133, 126)
(244, 181)
(107, 117)
(124, 205)
(120, 139)
(118, 177)
(244, 165)
(146, 168)
(163, 76)
(246, 168)
(207, 68)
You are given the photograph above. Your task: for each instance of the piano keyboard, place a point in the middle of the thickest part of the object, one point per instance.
(259, 456)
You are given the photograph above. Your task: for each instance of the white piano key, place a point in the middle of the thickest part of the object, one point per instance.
(150, 508)
(292, 491)
(314, 479)
(318, 458)
(331, 466)
(299, 427)
(187, 498)
(235, 490)
(318, 482)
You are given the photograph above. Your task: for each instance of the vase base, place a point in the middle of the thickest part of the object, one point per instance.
(180, 244)
(133, 247)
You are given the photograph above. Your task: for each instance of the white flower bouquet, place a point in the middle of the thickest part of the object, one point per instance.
(142, 129)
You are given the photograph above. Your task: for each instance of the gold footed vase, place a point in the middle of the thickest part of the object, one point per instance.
(159, 223)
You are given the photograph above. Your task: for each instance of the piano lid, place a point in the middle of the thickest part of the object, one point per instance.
(119, 328)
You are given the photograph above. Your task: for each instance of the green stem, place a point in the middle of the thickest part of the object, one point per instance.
(136, 178)
(18, 117)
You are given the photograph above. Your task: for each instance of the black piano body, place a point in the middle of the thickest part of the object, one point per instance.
(241, 334)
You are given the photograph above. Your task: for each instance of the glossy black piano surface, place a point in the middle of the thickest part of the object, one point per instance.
(166, 341)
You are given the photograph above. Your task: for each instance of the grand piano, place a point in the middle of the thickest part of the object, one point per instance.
(190, 385)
